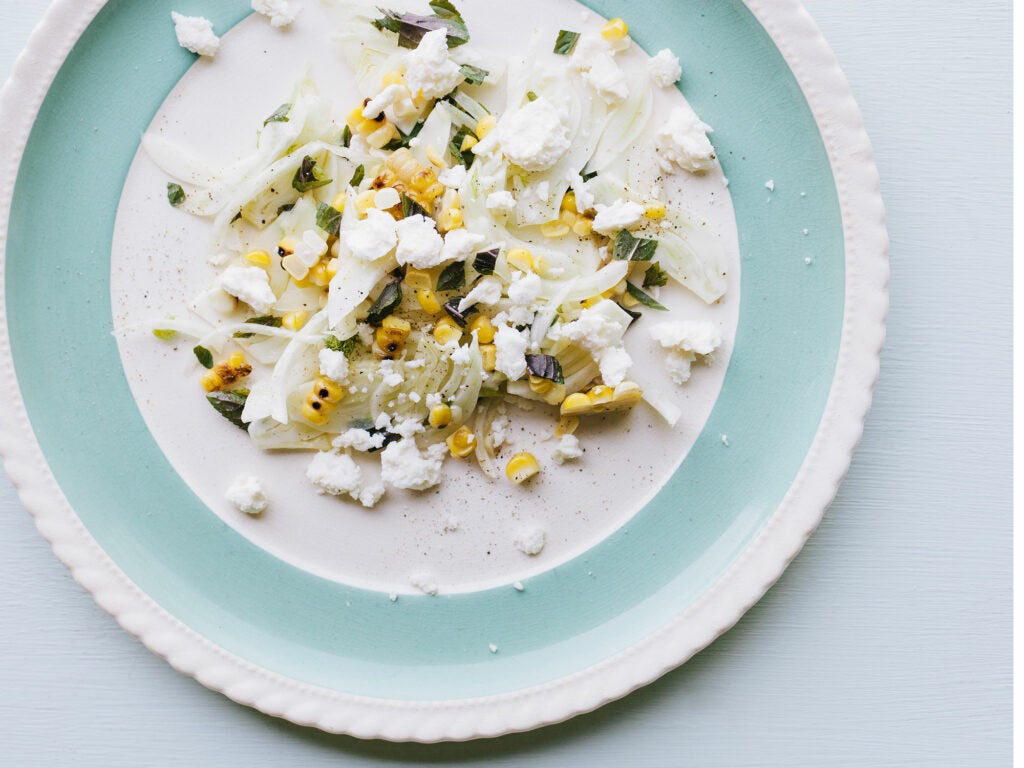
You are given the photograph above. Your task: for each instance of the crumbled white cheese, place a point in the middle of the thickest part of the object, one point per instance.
(360, 440)
(620, 215)
(598, 327)
(333, 365)
(389, 375)
(614, 363)
(534, 137)
(499, 431)
(588, 48)
(525, 288)
(404, 466)
(510, 346)
(462, 355)
(434, 399)
(492, 648)
(518, 586)
(664, 68)
(770, 185)
(684, 342)
(196, 34)
(683, 142)
(251, 285)
(246, 493)
(451, 523)
(460, 244)
(501, 201)
(424, 583)
(280, 12)
(394, 101)
(487, 292)
(419, 244)
(531, 541)
(453, 177)
(408, 427)
(607, 78)
(387, 198)
(568, 449)
(335, 474)
(370, 495)
(371, 238)
(430, 74)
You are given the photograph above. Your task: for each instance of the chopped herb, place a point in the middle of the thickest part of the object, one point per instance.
(633, 315)
(346, 137)
(643, 298)
(453, 277)
(175, 194)
(309, 176)
(411, 208)
(588, 175)
(485, 262)
(357, 177)
(566, 41)
(280, 116)
(389, 437)
(230, 405)
(346, 347)
(473, 75)
(630, 248)
(411, 27)
(165, 334)
(455, 147)
(285, 208)
(531, 96)
(452, 308)
(204, 356)
(328, 219)
(271, 321)
(546, 367)
(388, 301)
(655, 276)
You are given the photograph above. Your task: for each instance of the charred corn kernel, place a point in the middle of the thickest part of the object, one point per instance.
(294, 320)
(540, 385)
(365, 201)
(450, 218)
(328, 391)
(427, 197)
(396, 327)
(338, 203)
(382, 136)
(286, 246)
(315, 410)
(321, 273)
(468, 143)
(569, 202)
(226, 373)
(484, 328)
(446, 331)
(434, 157)
(553, 229)
(389, 351)
(521, 259)
(583, 226)
(360, 124)
(423, 179)
(522, 467)
(489, 353)
(429, 302)
(211, 382)
(655, 211)
(462, 443)
(615, 29)
(259, 258)
(440, 416)
(403, 164)
(418, 279)
(485, 125)
(394, 77)
(236, 361)
(567, 425)
(577, 405)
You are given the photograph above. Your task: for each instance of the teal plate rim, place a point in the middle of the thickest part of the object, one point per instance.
(571, 642)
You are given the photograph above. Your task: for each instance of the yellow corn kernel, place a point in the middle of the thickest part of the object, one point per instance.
(295, 267)
(423, 179)
(418, 279)
(569, 202)
(434, 157)
(462, 443)
(522, 467)
(629, 301)
(468, 143)
(615, 29)
(521, 259)
(655, 211)
(446, 331)
(484, 329)
(315, 411)
(388, 343)
(429, 302)
(489, 353)
(365, 201)
(588, 303)
(338, 203)
(379, 138)
(320, 275)
(389, 351)
(601, 395)
(430, 194)
(451, 218)
(485, 126)
(394, 77)
(553, 229)
(332, 267)
(576, 405)
(259, 258)
(567, 425)
(286, 246)
(627, 395)
(328, 391)
(293, 321)
(360, 124)
(440, 416)
(211, 382)
(396, 328)
(403, 164)
(583, 226)
(540, 385)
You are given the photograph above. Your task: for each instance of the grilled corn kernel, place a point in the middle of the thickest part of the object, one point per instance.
(446, 331)
(615, 29)
(321, 273)
(423, 179)
(338, 203)
(567, 425)
(583, 226)
(328, 391)
(259, 258)
(394, 77)
(553, 229)
(286, 246)
(430, 194)
(484, 328)
(540, 385)
(462, 443)
(396, 328)
(577, 405)
(485, 126)
(418, 279)
(293, 321)
(403, 164)
(211, 382)
(569, 202)
(521, 259)
(360, 124)
(601, 395)
(429, 302)
(440, 416)
(655, 211)
(489, 353)
(365, 201)
(522, 467)
(468, 143)
(382, 136)
(226, 373)
(451, 218)
(315, 410)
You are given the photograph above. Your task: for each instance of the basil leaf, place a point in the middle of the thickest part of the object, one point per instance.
(546, 367)
(346, 347)
(629, 248)
(411, 27)
(309, 176)
(588, 175)
(452, 278)
(230, 405)
(204, 356)
(455, 147)
(388, 301)
(485, 262)
(411, 208)
(566, 41)
(643, 298)
(267, 320)
(280, 116)
(328, 219)
(473, 75)
(175, 194)
(655, 276)
(346, 137)
(452, 308)
(357, 177)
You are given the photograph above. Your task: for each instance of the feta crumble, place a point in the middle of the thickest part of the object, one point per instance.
(568, 449)
(246, 493)
(371, 238)
(419, 243)
(511, 348)
(683, 143)
(335, 474)
(684, 342)
(664, 68)
(333, 365)
(251, 285)
(430, 73)
(404, 466)
(531, 541)
(280, 12)
(620, 215)
(534, 137)
(195, 34)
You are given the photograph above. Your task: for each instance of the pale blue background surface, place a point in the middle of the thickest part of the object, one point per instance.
(887, 643)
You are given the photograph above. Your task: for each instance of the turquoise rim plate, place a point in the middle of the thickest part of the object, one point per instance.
(296, 645)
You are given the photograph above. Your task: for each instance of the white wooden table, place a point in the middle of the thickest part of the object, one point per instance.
(887, 643)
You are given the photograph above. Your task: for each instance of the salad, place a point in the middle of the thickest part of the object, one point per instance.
(474, 233)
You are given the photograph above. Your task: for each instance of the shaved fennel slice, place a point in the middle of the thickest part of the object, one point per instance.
(626, 124)
(269, 435)
(578, 289)
(350, 287)
(695, 261)
(434, 135)
(485, 452)
(296, 364)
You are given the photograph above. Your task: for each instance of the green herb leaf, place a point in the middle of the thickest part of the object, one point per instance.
(566, 41)
(388, 301)
(453, 277)
(473, 75)
(411, 208)
(357, 177)
(268, 320)
(204, 356)
(346, 347)
(175, 194)
(309, 176)
(531, 96)
(328, 219)
(285, 208)
(165, 334)
(411, 27)
(460, 317)
(230, 405)
(280, 116)
(485, 262)
(346, 137)
(655, 276)
(455, 147)
(630, 248)
(643, 298)
(546, 367)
